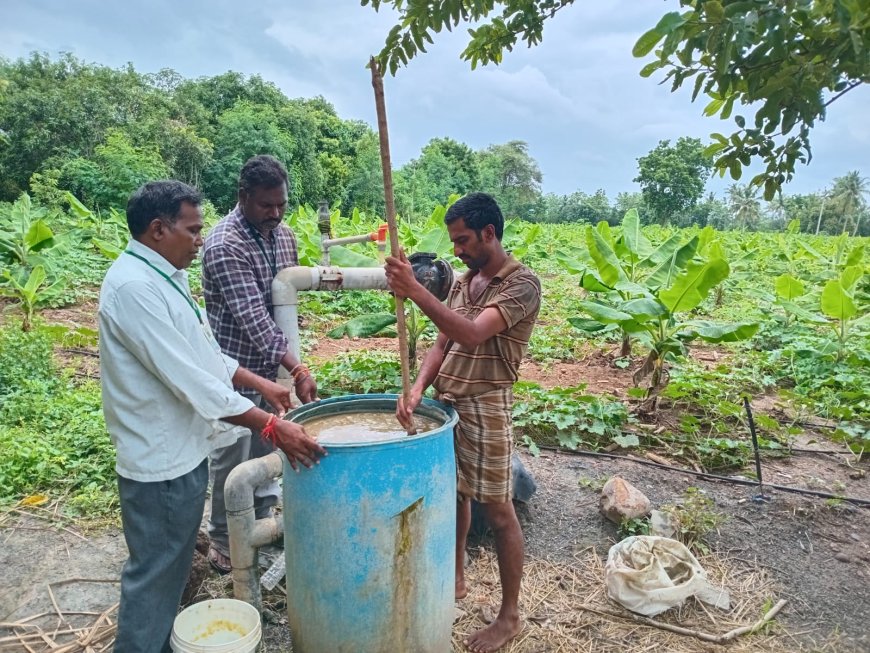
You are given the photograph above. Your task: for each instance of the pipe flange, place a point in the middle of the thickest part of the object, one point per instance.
(435, 275)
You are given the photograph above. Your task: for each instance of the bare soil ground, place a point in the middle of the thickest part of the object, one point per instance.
(812, 552)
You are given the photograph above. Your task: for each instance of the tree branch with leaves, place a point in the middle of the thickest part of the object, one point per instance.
(787, 61)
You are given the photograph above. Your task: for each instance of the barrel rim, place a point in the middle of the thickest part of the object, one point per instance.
(428, 408)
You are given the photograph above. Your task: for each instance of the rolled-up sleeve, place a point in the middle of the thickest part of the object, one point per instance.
(230, 270)
(139, 320)
(518, 299)
(231, 363)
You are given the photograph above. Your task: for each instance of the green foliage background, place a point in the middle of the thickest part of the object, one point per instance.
(98, 132)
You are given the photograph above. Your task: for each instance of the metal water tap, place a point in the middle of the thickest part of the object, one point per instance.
(324, 225)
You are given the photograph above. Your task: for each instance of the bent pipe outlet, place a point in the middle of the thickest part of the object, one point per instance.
(289, 281)
(248, 534)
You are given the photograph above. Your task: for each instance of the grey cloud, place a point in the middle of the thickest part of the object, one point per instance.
(577, 98)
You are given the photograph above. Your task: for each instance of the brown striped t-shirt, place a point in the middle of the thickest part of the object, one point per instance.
(516, 292)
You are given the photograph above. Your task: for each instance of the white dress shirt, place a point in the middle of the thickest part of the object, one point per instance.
(166, 384)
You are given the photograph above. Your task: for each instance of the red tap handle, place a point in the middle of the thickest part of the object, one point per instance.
(381, 234)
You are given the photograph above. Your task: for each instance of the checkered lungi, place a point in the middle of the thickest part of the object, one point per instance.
(483, 442)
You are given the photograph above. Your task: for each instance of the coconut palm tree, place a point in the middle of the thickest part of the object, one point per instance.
(745, 205)
(849, 193)
(777, 213)
(825, 196)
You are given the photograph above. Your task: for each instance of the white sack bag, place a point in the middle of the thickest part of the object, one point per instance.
(649, 575)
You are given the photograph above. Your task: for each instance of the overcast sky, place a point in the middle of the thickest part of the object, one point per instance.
(576, 99)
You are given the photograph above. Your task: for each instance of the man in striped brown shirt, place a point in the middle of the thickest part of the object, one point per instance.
(483, 334)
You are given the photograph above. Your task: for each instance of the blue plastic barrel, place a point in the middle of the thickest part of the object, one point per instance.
(369, 538)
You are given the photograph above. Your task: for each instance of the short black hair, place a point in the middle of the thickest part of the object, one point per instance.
(262, 171)
(158, 199)
(477, 210)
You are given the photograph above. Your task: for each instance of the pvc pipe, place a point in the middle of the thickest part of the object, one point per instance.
(349, 240)
(248, 534)
(289, 281)
(326, 241)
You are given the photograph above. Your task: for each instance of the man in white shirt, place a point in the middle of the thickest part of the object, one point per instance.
(168, 400)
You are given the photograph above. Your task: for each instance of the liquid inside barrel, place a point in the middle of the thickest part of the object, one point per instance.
(368, 426)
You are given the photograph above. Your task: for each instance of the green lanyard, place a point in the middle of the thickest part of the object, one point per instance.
(171, 283)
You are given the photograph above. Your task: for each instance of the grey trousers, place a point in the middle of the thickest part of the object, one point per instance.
(222, 462)
(160, 523)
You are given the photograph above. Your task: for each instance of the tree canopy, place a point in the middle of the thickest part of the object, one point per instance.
(98, 132)
(786, 61)
(672, 178)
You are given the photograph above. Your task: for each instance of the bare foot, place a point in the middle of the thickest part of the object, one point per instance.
(461, 591)
(494, 636)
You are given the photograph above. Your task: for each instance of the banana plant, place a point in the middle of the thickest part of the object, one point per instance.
(842, 258)
(742, 262)
(655, 310)
(839, 303)
(28, 294)
(524, 240)
(789, 291)
(624, 267)
(303, 221)
(363, 326)
(372, 324)
(842, 304)
(23, 234)
(416, 324)
(108, 232)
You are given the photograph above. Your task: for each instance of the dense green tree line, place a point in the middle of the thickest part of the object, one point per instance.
(673, 180)
(100, 132)
(843, 208)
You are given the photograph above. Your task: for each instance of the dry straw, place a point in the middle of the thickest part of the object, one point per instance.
(62, 631)
(564, 605)
(566, 610)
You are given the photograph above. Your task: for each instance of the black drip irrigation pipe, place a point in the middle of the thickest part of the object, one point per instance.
(825, 451)
(863, 503)
(785, 446)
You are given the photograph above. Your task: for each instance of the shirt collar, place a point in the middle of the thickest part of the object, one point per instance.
(507, 268)
(250, 232)
(238, 217)
(153, 257)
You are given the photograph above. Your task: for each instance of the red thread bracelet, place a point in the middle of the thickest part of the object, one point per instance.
(299, 373)
(268, 432)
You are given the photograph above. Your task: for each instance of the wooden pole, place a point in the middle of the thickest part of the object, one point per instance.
(380, 105)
